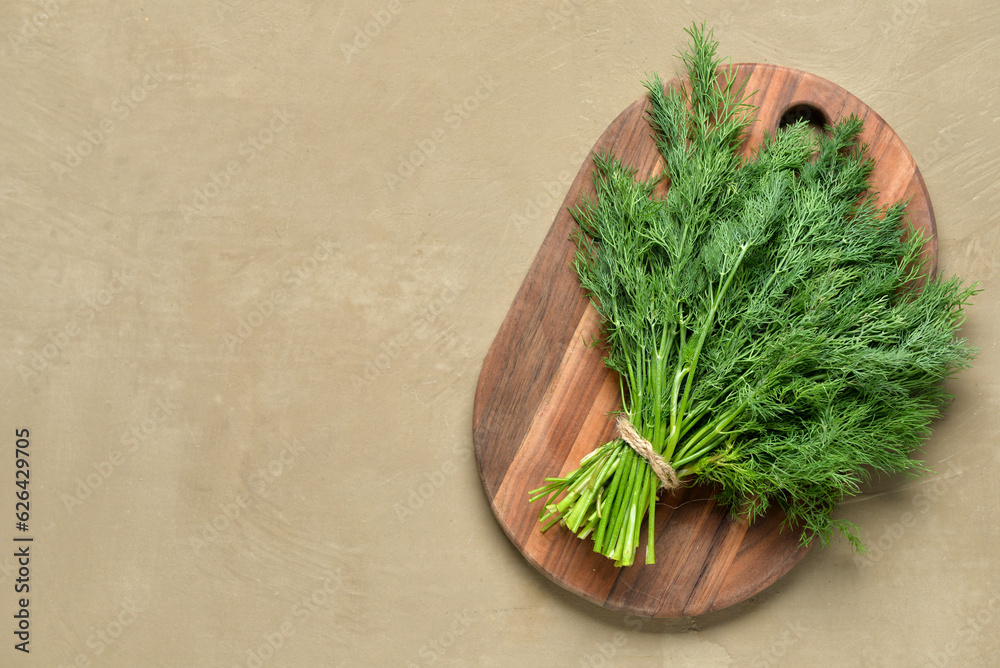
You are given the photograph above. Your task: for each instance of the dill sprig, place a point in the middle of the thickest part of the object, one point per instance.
(775, 330)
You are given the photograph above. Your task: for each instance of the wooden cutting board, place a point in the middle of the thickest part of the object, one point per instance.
(544, 396)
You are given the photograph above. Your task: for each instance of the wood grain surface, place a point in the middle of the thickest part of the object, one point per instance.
(544, 396)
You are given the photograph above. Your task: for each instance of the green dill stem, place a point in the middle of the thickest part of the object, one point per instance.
(651, 523)
(706, 447)
(608, 466)
(609, 502)
(640, 500)
(608, 522)
(541, 492)
(548, 525)
(632, 384)
(629, 532)
(614, 535)
(659, 364)
(580, 479)
(678, 375)
(617, 529)
(575, 517)
(589, 526)
(698, 441)
(674, 408)
(709, 322)
(693, 418)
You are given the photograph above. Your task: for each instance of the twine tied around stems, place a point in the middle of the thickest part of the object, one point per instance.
(660, 466)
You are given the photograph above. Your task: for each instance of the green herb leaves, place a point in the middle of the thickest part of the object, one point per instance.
(775, 330)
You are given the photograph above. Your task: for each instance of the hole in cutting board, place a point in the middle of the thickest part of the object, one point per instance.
(804, 112)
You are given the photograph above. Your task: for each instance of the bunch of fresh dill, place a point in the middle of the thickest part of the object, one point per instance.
(775, 330)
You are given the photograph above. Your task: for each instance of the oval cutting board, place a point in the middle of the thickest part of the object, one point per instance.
(544, 396)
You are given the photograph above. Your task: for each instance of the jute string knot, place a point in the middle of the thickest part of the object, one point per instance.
(662, 469)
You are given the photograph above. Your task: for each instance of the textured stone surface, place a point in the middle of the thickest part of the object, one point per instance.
(253, 257)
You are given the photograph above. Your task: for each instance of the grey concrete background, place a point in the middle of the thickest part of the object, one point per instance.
(253, 254)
